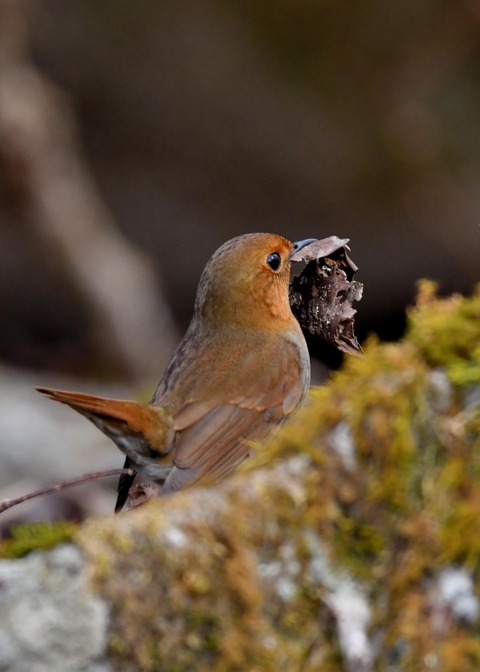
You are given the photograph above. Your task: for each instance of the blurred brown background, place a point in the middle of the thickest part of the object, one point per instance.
(137, 136)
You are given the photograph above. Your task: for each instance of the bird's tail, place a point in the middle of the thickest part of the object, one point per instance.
(131, 417)
(141, 431)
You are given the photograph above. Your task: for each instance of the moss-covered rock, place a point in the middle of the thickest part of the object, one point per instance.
(349, 542)
(36, 537)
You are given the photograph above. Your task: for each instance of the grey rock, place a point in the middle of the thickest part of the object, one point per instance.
(49, 617)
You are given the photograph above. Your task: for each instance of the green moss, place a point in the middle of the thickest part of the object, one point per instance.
(446, 332)
(36, 536)
(222, 578)
(411, 507)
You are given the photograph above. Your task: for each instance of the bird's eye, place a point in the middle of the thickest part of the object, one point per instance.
(274, 260)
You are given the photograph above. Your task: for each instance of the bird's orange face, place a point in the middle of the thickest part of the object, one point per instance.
(246, 281)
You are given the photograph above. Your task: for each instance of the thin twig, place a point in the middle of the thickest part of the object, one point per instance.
(8, 503)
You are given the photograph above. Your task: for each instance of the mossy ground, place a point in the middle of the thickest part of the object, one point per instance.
(36, 537)
(380, 471)
(411, 505)
(382, 467)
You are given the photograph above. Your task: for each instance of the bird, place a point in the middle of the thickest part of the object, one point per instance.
(242, 367)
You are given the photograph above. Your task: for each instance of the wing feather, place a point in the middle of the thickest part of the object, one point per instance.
(215, 445)
(213, 431)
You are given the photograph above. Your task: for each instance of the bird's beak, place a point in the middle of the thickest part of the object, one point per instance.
(300, 244)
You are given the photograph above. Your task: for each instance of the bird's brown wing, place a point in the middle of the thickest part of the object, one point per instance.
(214, 445)
(214, 437)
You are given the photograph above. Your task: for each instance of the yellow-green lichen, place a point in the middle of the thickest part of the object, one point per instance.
(35, 537)
(446, 332)
(381, 468)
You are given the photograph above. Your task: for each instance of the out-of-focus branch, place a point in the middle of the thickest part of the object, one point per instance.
(69, 483)
(59, 201)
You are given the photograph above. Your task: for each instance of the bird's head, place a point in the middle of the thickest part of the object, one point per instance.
(246, 281)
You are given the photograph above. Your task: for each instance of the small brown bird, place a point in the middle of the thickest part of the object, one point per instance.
(241, 368)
